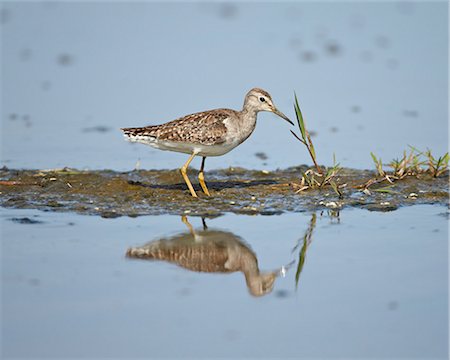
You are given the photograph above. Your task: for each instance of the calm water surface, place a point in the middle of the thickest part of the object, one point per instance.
(369, 76)
(369, 284)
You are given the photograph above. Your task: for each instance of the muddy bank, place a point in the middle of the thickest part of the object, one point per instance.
(150, 192)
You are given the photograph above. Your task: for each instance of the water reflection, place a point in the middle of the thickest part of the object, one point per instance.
(213, 251)
(304, 242)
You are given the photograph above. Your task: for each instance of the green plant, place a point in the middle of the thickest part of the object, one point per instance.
(378, 164)
(437, 166)
(305, 137)
(314, 178)
(413, 163)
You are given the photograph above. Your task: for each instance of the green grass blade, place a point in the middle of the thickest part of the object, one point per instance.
(374, 158)
(301, 262)
(298, 114)
(296, 136)
(311, 147)
(336, 188)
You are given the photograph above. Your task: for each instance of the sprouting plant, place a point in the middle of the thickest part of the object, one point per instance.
(311, 179)
(305, 137)
(437, 166)
(336, 189)
(318, 177)
(330, 174)
(378, 164)
(410, 164)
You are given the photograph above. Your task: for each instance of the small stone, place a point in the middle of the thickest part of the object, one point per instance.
(413, 195)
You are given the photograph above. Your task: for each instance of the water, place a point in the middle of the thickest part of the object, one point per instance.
(369, 76)
(372, 285)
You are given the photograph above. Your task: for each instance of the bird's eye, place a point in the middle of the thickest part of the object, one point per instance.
(262, 99)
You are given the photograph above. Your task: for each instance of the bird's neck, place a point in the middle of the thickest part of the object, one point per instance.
(245, 124)
(249, 267)
(248, 119)
(249, 112)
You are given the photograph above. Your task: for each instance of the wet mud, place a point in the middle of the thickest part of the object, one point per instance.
(235, 190)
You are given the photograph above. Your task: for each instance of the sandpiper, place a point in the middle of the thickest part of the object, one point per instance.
(207, 133)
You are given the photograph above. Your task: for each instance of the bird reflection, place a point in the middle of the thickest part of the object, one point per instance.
(213, 251)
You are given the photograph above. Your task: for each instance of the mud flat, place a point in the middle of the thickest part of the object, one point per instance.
(235, 190)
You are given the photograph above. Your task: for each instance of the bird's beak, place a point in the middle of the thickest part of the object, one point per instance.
(283, 270)
(281, 115)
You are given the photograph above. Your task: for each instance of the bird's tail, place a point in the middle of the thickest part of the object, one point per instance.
(129, 131)
(137, 134)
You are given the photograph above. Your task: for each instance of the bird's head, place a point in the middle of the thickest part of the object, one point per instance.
(261, 284)
(260, 100)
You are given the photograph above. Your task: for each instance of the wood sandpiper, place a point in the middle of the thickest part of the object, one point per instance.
(207, 133)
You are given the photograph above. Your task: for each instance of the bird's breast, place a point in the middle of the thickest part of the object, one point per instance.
(239, 131)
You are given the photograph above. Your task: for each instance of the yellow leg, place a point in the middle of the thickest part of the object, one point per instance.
(185, 177)
(201, 178)
(188, 224)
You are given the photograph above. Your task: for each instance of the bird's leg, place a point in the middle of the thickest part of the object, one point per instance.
(201, 178)
(185, 177)
(188, 224)
(205, 227)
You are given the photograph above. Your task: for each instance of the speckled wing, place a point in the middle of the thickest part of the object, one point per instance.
(204, 257)
(206, 128)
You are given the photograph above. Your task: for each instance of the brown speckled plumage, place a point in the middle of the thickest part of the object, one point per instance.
(210, 254)
(208, 257)
(205, 128)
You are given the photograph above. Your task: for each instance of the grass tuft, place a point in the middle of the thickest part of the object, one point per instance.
(318, 177)
(412, 163)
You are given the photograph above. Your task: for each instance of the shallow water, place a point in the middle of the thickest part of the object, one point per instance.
(369, 77)
(372, 285)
